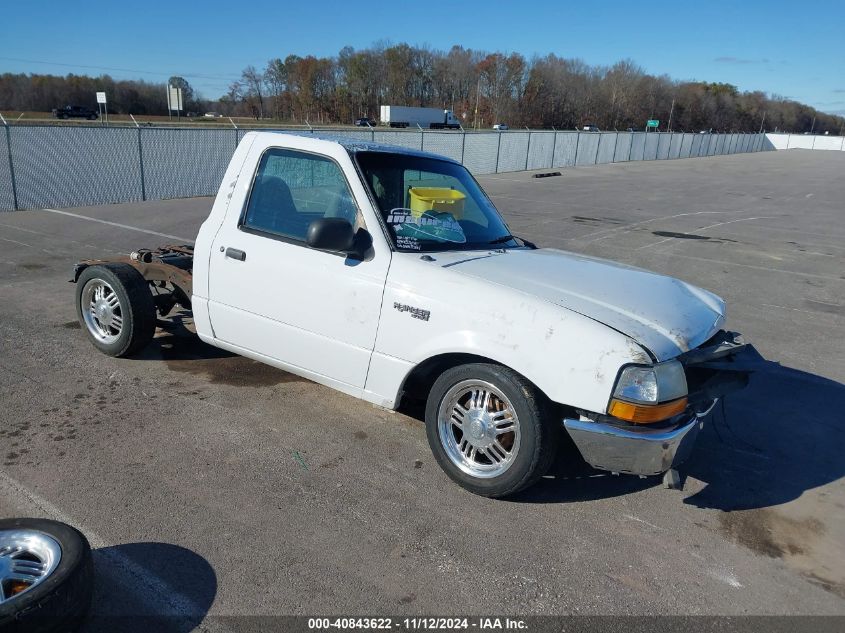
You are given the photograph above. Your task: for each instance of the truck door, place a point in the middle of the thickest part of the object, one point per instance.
(274, 298)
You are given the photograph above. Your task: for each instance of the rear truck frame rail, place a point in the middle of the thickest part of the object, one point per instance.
(168, 268)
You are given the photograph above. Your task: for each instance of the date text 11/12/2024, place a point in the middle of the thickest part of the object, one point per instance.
(417, 624)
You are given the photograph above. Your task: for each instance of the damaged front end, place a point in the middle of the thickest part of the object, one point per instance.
(650, 438)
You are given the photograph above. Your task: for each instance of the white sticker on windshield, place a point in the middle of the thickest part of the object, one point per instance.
(433, 226)
(408, 243)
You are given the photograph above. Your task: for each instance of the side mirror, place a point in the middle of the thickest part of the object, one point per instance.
(331, 234)
(336, 235)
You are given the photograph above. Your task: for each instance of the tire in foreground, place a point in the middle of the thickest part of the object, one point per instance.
(46, 576)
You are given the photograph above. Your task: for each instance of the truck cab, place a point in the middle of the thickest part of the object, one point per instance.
(450, 121)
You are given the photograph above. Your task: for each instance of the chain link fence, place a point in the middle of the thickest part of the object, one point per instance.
(8, 194)
(54, 166)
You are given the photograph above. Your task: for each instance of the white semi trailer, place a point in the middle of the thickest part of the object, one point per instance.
(431, 118)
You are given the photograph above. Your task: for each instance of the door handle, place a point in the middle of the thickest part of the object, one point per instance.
(234, 253)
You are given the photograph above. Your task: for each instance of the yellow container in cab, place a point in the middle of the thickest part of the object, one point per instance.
(437, 199)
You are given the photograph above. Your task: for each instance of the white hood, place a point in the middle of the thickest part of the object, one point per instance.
(663, 314)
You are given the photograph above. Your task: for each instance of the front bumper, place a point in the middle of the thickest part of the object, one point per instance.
(715, 369)
(637, 450)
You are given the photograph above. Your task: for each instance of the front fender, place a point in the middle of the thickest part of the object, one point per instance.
(573, 359)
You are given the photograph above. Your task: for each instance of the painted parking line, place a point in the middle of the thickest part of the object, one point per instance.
(121, 226)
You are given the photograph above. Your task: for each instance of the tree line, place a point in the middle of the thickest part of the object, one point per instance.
(481, 88)
(484, 88)
(41, 93)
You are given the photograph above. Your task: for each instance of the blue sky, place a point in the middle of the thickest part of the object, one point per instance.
(794, 49)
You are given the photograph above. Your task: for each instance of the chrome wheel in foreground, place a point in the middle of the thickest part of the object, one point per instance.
(478, 428)
(27, 558)
(102, 311)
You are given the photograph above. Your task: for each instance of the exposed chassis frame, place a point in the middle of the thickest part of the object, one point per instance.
(172, 263)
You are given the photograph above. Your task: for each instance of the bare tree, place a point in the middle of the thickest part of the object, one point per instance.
(253, 82)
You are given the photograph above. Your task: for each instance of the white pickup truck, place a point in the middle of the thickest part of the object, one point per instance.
(388, 274)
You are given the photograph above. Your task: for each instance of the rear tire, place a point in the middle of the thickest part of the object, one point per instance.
(115, 307)
(58, 602)
(490, 429)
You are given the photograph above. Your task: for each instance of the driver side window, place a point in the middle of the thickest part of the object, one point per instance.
(292, 189)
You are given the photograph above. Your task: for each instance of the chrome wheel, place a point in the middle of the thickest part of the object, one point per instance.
(27, 558)
(102, 311)
(478, 428)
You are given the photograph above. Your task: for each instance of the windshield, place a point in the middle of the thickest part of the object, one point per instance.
(432, 205)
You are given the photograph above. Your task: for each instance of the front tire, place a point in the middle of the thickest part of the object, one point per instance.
(47, 576)
(490, 429)
(115, 308)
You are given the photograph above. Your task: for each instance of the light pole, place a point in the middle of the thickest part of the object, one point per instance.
(671, 110)
(475, 118)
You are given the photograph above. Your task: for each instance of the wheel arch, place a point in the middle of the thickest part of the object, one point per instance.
(418, 382)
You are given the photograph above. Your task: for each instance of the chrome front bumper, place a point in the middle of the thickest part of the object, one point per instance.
(637, 450)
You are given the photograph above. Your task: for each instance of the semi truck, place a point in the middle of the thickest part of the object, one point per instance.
(387, 274)
(429, 118)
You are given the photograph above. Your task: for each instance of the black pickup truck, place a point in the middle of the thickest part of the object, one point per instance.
(75, 112)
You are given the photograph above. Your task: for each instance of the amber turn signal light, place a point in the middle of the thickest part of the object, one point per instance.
(646, 413)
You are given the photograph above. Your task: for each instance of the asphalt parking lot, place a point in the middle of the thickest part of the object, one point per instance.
(211, 485)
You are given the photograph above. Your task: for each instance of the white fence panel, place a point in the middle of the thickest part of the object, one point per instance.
(513, 151)
(777, 141)
(686, 145)
(675, 141)
(828, 142)
(540, 150)
(638, 146)
(607, 148)
(623, 147)
(481, 153)
(75, 166)
(663, 141)
(170, 166)
(566, 147)
(652, 142)
(802, 141)
(716, 145)
(411, 140)
(448, 144)
(588, 147)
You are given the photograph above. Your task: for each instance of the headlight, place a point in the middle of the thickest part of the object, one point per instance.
(649, 394)
(650, 385)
